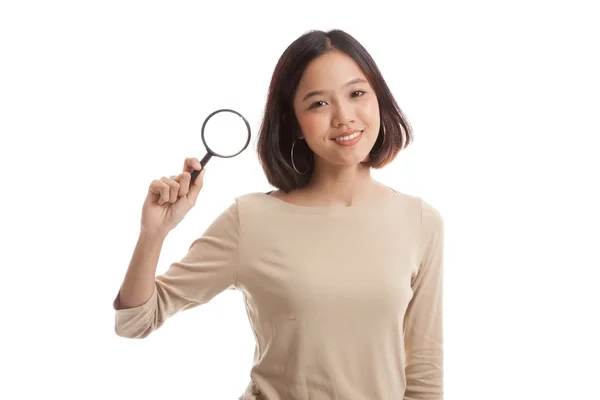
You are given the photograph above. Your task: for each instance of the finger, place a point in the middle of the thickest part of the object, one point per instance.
(173, 189)
(191, 164)
(184, 183)
(161, 189)
(196, 187)
(198, 181)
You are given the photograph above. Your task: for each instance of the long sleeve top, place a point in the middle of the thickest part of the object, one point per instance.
(344, 302)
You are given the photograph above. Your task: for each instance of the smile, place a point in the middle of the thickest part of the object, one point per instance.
(349, 140)
(349, 137)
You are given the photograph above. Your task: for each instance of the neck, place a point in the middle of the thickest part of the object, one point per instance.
(340, 186)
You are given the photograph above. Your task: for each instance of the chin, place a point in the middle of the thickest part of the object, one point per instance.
(354, 160)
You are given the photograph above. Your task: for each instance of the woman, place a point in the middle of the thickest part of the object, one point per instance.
(341, 275)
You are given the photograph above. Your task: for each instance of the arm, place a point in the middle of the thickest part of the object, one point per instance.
(423, 324)
(138, 284)
(208, 268)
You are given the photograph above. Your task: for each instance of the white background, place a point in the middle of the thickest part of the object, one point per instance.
(97, 99)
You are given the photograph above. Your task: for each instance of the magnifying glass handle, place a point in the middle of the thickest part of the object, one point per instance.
(203, 162)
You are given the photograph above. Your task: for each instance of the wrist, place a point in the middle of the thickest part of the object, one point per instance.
(153, 235)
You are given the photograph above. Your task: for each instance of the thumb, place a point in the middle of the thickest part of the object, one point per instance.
(196, 187)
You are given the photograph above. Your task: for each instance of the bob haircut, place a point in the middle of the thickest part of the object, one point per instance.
(280, 128)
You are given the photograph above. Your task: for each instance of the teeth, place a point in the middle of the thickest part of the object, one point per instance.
(349, 137)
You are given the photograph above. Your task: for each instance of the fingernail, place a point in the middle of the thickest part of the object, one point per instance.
(198, 166)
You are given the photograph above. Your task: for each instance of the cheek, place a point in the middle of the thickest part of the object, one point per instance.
(370, 113)
(312, 124)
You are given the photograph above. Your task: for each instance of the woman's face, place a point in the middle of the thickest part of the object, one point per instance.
(335, 100)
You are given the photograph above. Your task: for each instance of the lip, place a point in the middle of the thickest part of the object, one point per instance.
(347, 133)
(349, 143)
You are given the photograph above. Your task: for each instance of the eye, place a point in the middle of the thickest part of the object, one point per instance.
(357, 93)
(316, 104)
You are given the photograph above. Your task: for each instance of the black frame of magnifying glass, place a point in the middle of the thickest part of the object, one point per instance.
(209, 151)
(208, 147)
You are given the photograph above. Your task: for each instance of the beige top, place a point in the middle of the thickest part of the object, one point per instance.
(345, 302)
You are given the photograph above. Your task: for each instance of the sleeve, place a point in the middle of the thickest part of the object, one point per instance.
(423, 328)
(208, 268)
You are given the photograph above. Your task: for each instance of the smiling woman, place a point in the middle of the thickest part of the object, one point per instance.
(329, 103)
(343, 114)
(341, 275)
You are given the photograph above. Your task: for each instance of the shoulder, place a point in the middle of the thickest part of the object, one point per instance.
(424, 213)
(429, 214)
(432, 226)
(241, 208)
(251, 203)
(250, 199)
(431, 217)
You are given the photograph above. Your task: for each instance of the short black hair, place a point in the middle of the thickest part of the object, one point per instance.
(280, 127)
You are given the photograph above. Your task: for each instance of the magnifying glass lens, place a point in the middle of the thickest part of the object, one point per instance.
(225, 134)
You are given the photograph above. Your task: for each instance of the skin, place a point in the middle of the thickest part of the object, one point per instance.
(344, 101)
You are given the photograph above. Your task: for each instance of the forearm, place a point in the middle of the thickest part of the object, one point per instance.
(138, 284)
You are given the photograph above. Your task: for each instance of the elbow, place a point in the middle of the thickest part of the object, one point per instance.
(131, 325)
(137, 322)
(140, 332)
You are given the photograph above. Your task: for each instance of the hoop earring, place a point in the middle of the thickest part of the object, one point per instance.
(294, 164)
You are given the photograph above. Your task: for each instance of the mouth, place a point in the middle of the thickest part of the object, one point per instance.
(348, 136)
(348, 139)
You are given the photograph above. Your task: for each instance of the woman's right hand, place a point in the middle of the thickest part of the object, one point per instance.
(170, 199)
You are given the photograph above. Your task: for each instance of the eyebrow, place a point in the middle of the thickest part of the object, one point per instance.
(319, 92)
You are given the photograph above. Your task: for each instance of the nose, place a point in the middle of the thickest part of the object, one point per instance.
(343, 115)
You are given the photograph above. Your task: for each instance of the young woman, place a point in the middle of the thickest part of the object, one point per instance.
(341, 274)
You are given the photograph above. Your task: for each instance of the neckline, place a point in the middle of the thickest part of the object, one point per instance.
(374, 204)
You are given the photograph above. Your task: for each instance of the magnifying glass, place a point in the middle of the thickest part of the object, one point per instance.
(228, 133)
